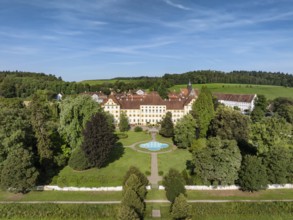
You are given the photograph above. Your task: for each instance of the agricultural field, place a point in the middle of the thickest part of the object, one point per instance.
(271, 92)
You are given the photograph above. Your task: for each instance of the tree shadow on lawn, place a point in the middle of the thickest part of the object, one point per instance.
(116, 153)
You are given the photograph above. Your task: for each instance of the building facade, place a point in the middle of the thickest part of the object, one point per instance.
(149, 108)
(244, 102)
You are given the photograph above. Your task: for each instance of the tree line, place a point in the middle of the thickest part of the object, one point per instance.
(24, 84)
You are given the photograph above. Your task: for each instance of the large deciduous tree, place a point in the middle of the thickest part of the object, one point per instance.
(75, 112)
(270, 132)
(185, 131)
(203, 111)
(99, 139)
(219, 162)
(277, 162)
(252, 175)
(284, 108)
(167, 126)
(230, 124)
(15, 127)
(19, 173)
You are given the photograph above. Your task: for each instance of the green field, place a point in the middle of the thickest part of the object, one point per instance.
(271, 92)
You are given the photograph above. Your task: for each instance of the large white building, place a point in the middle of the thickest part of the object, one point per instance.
(149, 108)
(243, 102)
(144, 109)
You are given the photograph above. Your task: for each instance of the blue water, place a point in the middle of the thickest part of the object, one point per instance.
(153, 146)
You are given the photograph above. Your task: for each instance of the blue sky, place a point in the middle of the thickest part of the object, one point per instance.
(101, 39)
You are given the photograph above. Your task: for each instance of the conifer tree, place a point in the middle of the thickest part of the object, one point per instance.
(167, 126)
(203, 111)
(252, 174)
(127, 213)
(19, 173)
(180, 208)
(174, 184)
(98, 139)
(123, 124)
(132, 200)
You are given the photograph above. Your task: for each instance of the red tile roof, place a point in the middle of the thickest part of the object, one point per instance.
(234, 97)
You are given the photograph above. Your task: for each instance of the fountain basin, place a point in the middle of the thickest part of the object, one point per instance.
(153, 146)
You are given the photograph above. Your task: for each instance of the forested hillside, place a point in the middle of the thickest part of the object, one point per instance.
(24, 84)
(242, 77)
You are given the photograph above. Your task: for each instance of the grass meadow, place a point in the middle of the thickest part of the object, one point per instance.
(271, 92)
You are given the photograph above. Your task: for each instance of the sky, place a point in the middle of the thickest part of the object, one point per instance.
(103, 39)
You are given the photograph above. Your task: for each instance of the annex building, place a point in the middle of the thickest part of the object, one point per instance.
(149, 108)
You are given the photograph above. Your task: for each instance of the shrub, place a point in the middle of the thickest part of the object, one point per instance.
(148, 173)
(161, 173)
(122, 135)
(78, 160)
(138, 129)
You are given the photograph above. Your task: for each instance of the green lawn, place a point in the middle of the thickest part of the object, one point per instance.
(160, 138)
(134, 137)
(112, 175)
(175, 159)
(269, 91)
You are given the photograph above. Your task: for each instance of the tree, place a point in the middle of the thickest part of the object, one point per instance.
(167, 126)
(45, 130)
(98, 139)
(252, 174)
(174, 184)
(136, 185)
(277, 162)
(78, 160)
(133, 201)
(259, 110)
(19, 173)
(127, 213)
(203, 111)
(284, 108)
(75, 112)
(123, 124)
(185, 131)
(134, 170)
(180, 209)
(230, 124)
(270, 132)
(15, 127)
(219, 162)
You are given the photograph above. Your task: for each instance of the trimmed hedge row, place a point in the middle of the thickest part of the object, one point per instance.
(242, 208)
(199, 211)
(58, 211)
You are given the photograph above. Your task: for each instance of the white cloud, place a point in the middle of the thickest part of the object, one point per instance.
(169, 2)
